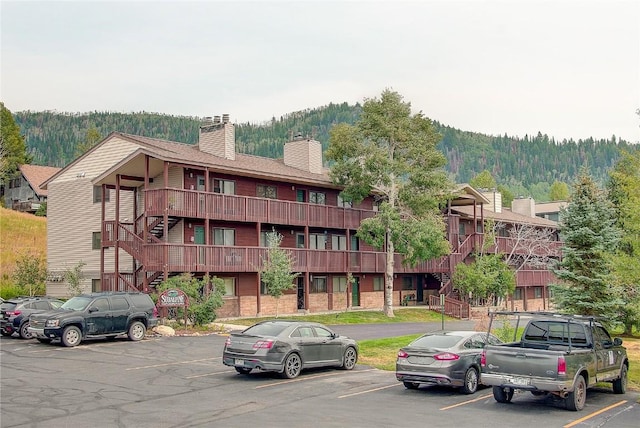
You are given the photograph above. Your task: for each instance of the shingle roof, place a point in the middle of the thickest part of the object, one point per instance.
(506, 216)
(247, 164)
(36, 175)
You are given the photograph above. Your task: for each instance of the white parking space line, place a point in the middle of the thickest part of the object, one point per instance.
(171, 364)
(369, 390)
(301, 379)
(210, 374)
(467, 402)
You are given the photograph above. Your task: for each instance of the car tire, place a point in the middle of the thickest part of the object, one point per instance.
(350, 358)
(4, 333)
(24, 332)
(470, 381)
(137, 330)
(620, 384)
(502, 395)
(576, 398)
(411, 385)
(71, 336)
(243, 370)
(43, 340)
(292, 366)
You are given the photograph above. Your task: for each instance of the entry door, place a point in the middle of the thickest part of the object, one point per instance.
(300, 292)
(198, 238)
(355, 292)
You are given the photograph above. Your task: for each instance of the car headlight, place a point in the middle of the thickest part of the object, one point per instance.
(52, 323)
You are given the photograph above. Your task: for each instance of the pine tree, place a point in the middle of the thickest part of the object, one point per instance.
(587, 226)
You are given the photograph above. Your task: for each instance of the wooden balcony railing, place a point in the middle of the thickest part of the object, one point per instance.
(215, 206)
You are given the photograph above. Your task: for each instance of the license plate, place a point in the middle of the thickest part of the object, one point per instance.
(520, 381)
(239, 363)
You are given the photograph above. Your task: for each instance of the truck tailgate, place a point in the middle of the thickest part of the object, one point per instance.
(522, 361)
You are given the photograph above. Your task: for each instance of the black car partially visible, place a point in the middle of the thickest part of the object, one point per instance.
(14, 313)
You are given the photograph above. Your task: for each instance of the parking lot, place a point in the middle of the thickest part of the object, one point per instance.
(181, 382)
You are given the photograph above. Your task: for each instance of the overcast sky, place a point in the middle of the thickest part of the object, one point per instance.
(569, 69)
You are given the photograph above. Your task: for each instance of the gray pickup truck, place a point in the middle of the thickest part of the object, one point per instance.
(556, 354)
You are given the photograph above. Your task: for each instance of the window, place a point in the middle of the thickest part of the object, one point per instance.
(227, 187)
(339, 284)
(517, 294)
(317, 241)
(318, 284)
(224, 236)
(338, 242)
(263, 288)
(96, 286)
(407, 283)
(537, 292)
(300, 240)
(344, 204)
(378, 283)
(229, 286)
(355, 243)
(101, 305)
(97, 194)
(301, 195)
(96, 240)
(119, 304)
(317, 197)
(323, 332)
(264, 191)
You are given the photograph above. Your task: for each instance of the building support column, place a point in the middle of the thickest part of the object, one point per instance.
(117, 243)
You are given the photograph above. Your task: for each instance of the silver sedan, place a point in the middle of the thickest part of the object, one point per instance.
(443, 358)
(287, 347)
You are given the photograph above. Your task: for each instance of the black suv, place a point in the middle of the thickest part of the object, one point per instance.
(107, 314)
(14, 313)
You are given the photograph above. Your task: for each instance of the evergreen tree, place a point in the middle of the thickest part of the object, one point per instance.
(12, 146)
(587, 226)
(92, 137)
(394, 154)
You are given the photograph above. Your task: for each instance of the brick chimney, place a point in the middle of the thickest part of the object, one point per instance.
(218, 137)
(303, 153)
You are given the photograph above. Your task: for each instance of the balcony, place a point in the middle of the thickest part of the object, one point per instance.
(211, 258)
(216, 206)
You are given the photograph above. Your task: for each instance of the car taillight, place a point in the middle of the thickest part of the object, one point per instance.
(483, 359)
(402, 354)
(562, 366)
(14, 313)
(263, 344)
(446, 356)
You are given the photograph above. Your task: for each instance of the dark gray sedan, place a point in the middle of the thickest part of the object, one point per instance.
(443, 358)
(287, 347)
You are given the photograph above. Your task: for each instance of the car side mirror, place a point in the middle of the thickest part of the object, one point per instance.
(617, 341)
(91, 310)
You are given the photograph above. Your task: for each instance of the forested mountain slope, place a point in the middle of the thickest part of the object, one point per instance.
(527, 165)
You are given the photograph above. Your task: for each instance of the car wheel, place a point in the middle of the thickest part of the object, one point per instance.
(292, 366)
(137, 331)
(243, 370)
(350, 358)
(576, 398)
(43, 340)
(71, 336)
(620, 384)
(411, 385)
(24, 330)
(502, 395)
(470, 381)
(4, 333)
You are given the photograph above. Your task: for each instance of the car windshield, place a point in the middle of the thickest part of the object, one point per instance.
(76, 303)
(8, 306)
(436, 341)
(266, 329)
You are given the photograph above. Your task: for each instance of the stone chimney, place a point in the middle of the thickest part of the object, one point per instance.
(218, 137)
(303, 153)
(524, 206)
(495, 199)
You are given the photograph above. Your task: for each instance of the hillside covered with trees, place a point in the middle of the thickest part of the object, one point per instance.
(527, 166)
